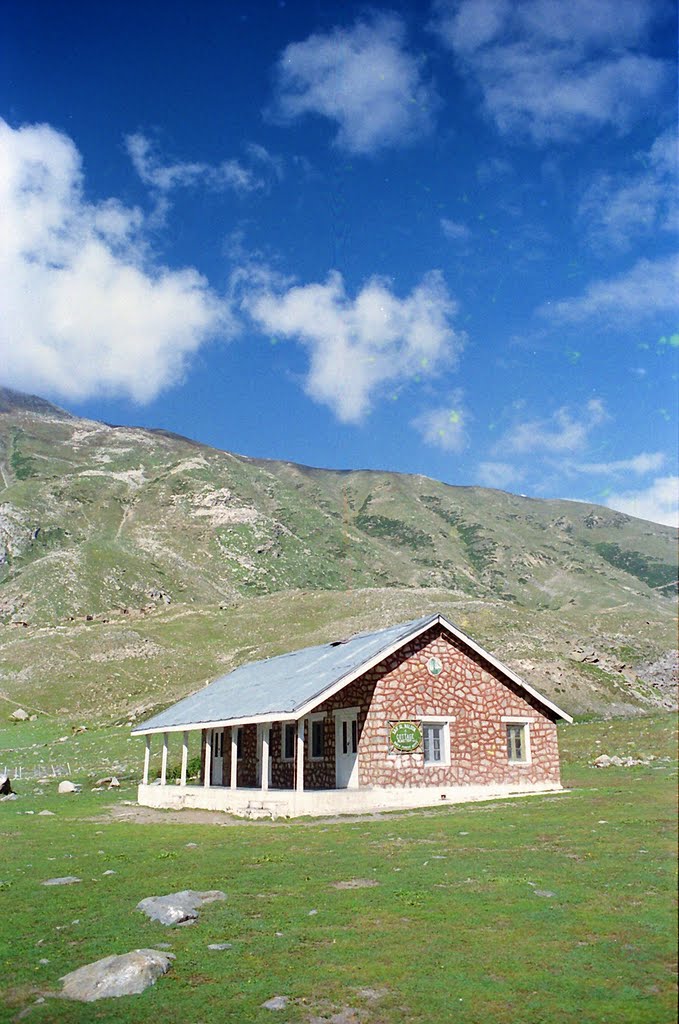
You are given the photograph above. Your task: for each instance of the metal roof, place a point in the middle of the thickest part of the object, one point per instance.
(290, 685)
(280, 686)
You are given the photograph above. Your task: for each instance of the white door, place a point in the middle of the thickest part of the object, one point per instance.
(217, 773)
(346, 749)
(260, 737)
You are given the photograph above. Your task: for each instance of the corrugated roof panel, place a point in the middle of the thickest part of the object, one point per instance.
(281, 685)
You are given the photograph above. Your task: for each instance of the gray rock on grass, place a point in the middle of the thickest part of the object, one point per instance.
(64, 880)
(114, 976)
(178, 907)
(19, 715)
(276, 1003)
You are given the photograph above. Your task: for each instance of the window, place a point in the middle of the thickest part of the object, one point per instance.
(317, 739)
(435, 742)
(239, 743)
(518, 738)
(288, 745)
(517, 743)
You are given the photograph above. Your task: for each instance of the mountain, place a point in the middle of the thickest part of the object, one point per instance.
(134, 563)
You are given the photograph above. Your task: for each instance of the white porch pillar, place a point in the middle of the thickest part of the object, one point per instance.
(163, 763)
(207, 772)
(147, 759)
(299, 770)
(265, 755)
(185, 757)
(234, 757)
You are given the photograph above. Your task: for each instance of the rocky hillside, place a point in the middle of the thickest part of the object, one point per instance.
(103, 526)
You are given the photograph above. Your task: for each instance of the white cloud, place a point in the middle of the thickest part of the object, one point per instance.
(444, 426)
(648, 288)
(565, 431)
(230, 174)
(498, 474)
(358, 346)
(85, 309)
(645, 462)
(454, 231)
(362, 78)
(616, 209)
(551, 69)
(659, 502)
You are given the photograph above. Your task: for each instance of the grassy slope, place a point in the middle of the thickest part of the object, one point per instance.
(453, 931)
(100, 671)
(261, 557)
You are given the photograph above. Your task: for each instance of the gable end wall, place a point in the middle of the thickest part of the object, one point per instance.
(472, 691)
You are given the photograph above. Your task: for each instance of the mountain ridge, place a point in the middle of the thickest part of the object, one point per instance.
(111, 525)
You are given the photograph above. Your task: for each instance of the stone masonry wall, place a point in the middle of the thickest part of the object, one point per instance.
(475, 693)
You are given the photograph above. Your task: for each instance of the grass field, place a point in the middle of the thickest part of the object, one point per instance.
(545, 909)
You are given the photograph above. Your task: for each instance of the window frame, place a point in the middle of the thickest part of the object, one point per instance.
(317, 719)
(285, 727)
(443, 722)
(524, 723)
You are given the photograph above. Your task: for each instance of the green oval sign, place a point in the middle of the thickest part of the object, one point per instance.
(405, 736)
(434, 666)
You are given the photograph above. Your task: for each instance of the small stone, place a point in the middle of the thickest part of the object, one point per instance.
(114, 784)
(356, 883)
(191, 846)
(43, 960)
(312, 913)
(220, 945)
(109, 872)
(371, 994)
(45, 814)
(64, 880)
(545, 893)
(19, 715)
(276, 1003)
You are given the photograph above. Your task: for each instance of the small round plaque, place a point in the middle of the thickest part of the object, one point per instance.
(434, 667)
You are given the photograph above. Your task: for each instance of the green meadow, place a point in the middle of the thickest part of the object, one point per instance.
(541, 909)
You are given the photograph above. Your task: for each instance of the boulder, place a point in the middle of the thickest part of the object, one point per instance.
(114, 976)
(5, 785)
(19, 715)
(178, 907)
(68, 787)
(110, 781)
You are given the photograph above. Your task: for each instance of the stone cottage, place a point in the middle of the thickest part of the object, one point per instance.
(407, 716)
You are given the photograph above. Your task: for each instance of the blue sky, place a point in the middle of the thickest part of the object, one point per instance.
(436, 238)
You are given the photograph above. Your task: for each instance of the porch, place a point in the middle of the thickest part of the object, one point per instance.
(286, 803)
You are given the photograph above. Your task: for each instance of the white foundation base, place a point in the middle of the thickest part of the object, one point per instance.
(286, 803)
